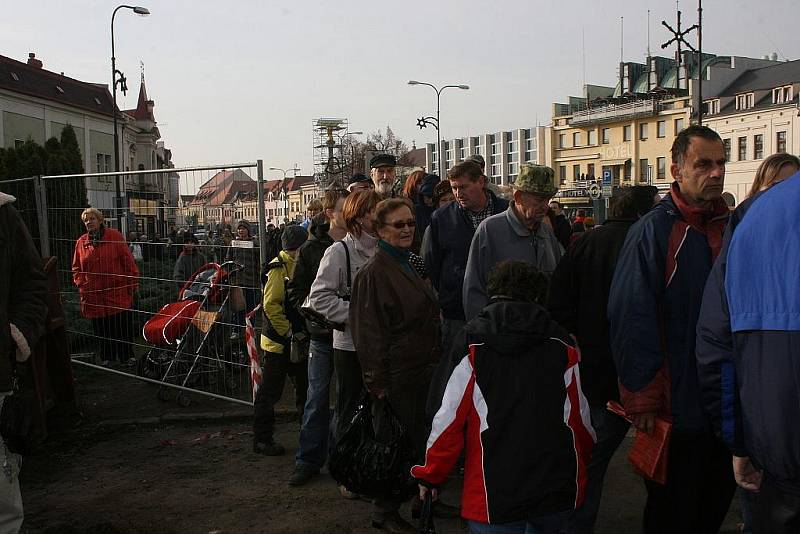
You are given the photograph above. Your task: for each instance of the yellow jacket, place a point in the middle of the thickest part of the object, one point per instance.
(274, 292)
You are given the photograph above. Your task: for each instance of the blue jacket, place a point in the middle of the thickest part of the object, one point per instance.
(447, 250)
(748, 336)
(653, 309)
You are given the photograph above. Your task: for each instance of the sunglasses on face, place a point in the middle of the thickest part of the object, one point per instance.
(399, 225)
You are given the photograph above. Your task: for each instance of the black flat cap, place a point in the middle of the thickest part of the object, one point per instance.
(382, 160)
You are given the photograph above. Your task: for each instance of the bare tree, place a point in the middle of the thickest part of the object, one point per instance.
(386, 142)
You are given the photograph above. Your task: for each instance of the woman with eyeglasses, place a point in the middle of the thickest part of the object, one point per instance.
(394, 317)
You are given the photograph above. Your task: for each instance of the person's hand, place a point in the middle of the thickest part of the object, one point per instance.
(644, 422)
(746, 475)
(423, 490)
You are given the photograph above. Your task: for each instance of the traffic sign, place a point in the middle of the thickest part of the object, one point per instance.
(594, 191)
(607, 178)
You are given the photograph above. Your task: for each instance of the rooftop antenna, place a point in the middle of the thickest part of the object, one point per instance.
(583, 54)
(621, 38)
(648, 33)
(679, 38)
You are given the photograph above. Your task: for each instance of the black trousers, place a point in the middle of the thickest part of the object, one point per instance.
(349, 387)
(113, 336)
(775, 511)
(699, 488)
(274, 368)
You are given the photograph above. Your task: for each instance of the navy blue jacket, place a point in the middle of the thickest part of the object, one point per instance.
(748, 339)
(653, 309)
(447, 251)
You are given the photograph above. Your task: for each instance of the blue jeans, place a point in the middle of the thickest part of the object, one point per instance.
(314, 429)
(548, 524)
(610, 430)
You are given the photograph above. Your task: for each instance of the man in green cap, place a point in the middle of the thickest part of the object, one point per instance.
(516, 234)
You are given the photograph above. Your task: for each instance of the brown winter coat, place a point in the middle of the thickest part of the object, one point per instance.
(394, 317)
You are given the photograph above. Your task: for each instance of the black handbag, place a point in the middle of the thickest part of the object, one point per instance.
(367, 465)
(16, 416)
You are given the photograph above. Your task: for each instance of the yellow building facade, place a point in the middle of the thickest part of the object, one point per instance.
(631, 141)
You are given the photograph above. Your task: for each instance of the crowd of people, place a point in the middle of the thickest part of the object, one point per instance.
(498, 330)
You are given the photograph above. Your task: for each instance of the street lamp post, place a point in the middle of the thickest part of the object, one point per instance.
(143, 11)
(425, 121)
(285, 191)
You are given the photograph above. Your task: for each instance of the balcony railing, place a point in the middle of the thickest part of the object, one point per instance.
(616, 112)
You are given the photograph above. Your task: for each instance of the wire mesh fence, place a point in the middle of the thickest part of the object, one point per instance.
(155, 281)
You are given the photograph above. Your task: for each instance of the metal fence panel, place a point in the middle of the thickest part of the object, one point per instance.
(111, 290)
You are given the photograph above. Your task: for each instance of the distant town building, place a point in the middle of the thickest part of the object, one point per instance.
(36, 103)
(623, 134)
(503, 151)
(757, 116)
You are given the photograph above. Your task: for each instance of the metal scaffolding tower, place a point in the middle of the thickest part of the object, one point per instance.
(330, 165)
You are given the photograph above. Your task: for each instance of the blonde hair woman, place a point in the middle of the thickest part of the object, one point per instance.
(773, 170)
(106, 275)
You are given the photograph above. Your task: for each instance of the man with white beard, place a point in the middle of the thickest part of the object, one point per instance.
(382, 172)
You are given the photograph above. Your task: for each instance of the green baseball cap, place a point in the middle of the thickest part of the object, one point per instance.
(536, 179)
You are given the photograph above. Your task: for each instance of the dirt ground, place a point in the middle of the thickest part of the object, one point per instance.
(137, 464)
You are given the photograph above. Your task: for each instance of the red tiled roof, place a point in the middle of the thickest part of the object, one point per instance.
(22, 78)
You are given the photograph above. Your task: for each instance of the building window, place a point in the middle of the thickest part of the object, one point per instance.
(782, 95)
(592, 135)
(103, 162)
(605, 135)
(626, 132)
(780, 142)
(576, 139)
(758, 146)
(562, 174)
(661, 165)
(743, 101)
(742, 148)
(18, 143)
(643, 171)
(562, 140)
(590, 171)
(576, 173)
(661, 129)
(628, 170)
(512, 168)
(678, 125)
(496, 170)
(712, 106)
(643, 131)
(726, 143)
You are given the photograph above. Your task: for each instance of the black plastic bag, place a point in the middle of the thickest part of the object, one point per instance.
(372, 466)
(16, 416)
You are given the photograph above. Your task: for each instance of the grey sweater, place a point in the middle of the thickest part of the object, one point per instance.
(186, 266)
(499, 238)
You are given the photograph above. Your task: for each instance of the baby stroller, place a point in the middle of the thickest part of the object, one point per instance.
(190, 345)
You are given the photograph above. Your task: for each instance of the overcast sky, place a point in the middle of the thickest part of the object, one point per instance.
(236, 80)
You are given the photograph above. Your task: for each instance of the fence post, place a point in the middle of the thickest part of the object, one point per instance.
(262, 215)
(40, 195)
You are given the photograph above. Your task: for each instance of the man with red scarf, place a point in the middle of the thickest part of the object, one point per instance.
(653, 310)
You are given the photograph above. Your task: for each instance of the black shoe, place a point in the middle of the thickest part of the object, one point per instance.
(394, 524)
(269, 448)
(301, 475)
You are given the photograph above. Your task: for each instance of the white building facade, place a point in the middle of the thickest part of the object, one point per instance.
(503, 151)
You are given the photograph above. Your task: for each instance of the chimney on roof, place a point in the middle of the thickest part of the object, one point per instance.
(33, 62)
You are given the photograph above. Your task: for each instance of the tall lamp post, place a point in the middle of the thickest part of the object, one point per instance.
(118, 78)
(285, 191)
(425, 121)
